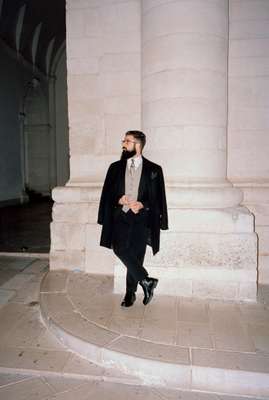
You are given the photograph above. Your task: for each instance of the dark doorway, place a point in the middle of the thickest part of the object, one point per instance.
(26, 227)
(34, 146)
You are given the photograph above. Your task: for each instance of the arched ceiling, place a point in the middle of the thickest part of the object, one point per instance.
(33, 28)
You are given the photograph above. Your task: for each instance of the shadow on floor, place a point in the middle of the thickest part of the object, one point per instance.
(26, 227)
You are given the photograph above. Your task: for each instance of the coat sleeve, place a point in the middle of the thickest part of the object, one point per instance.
(163, 205)
(105, 197)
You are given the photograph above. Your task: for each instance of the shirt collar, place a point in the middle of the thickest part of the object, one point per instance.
(137, 161)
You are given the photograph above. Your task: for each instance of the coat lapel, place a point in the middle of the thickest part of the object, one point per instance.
(143, 180)
(121, 181)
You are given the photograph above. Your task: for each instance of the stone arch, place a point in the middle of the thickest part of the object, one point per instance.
(19, 27)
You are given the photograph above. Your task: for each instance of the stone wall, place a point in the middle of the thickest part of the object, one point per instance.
(104, 101)
(104, 87)
(248, 138)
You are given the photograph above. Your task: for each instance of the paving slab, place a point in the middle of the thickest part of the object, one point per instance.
(84, 344)
(174, 341)
(21, 387)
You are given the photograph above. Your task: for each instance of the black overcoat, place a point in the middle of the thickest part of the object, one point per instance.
(151, 193)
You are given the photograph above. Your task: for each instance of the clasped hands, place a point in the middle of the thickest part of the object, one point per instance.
(134, 205)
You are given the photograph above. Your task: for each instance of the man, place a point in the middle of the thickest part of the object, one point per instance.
(132, 211)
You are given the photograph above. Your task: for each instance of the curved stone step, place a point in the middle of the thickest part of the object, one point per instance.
(78, 309)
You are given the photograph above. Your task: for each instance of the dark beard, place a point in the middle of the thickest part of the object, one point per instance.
(127, 154)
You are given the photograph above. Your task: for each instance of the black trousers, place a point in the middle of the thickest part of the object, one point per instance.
(129, 243)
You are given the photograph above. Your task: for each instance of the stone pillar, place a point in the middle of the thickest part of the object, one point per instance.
(184, 83)
(104, 101)
(210, 249)
(248, 115)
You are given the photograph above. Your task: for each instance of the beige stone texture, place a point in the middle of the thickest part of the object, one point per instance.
(243, 29)
(248, 96)
(29, 358)
(31, 389)
(185, 83)
(70, 213)
(99, 261)
(103, 51)
(188, 343)
(227, 220)
(261, 213)
(251, 66)
(193, 344)
(67, 259)
(183, 15)
(257, 47)
(67, 236)
(55, 281)
(82, 213)
(247, 10)
(89, 168)
(255, 193)
(263, 235)
(77, 194)
(85, 23)
(248, 112)
(120, 62)
(201, 52)
(264, 269)
(233, 251)
(89, 65)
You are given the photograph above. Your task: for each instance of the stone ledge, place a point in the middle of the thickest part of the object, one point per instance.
(196, 197)
(154, 363)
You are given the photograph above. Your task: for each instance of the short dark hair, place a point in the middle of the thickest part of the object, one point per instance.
(138, 135)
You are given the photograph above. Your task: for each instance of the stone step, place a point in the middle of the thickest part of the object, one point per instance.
(77, 307)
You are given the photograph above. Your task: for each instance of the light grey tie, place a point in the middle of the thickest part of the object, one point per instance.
(132, 167)
(125, 208)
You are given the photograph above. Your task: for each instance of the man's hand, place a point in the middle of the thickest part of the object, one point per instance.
(135, 206)
(124, 200)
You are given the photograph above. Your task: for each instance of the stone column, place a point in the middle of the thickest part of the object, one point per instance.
(248, 115)
(184, 83)
(210, 249)
(104, 101)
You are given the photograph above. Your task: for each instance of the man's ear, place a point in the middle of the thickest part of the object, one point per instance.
(139, 146)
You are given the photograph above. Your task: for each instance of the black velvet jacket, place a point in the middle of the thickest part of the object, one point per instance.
(151, 193)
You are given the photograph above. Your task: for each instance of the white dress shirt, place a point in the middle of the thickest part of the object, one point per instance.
(137, 161)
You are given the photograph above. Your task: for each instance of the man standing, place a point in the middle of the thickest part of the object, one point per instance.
(132, 211)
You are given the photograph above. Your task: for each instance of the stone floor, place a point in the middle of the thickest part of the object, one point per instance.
(27, 387)
(169, 320)
(34, 364)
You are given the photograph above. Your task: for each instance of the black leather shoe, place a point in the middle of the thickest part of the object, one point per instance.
(129, 299)
(148, 285)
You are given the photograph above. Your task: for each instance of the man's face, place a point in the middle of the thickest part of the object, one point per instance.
(129, 145)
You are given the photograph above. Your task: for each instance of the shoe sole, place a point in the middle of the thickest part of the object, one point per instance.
(123, 304)
(153, 287)
(126, 306)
